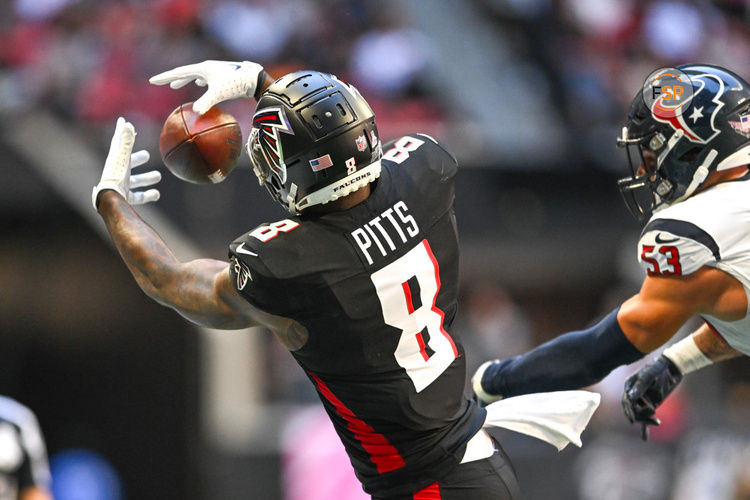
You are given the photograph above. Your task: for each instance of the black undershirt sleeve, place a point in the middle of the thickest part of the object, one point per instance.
(571, 361)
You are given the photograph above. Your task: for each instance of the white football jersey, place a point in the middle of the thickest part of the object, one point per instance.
(711, 228)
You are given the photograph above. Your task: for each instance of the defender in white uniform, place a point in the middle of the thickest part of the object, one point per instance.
(712, 229)
(690, 181)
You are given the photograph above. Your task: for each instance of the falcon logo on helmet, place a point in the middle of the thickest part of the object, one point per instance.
(265, 139)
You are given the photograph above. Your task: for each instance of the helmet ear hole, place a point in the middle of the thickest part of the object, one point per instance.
(691, 154)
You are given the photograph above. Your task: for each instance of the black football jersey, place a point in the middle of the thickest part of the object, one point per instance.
(376, 288)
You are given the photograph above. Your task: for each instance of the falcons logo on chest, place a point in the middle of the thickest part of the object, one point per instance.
(267, 123)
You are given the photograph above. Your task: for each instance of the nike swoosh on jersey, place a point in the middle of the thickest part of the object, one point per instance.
(661, 240)
(241, 249)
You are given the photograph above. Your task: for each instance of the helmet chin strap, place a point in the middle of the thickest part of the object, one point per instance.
(290, 199)
(339, 189)
(671, 143)
(700, 175)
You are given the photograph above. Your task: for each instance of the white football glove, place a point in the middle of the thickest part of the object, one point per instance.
(225, 79)
(116, 173)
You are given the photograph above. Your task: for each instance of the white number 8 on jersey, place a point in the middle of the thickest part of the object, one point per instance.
(391, 284)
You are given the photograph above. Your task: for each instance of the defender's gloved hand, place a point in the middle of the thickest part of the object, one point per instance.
(225, 79)
(116, 173)
(646, 389)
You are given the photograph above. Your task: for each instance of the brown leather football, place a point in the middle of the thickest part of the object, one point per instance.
(202, 149)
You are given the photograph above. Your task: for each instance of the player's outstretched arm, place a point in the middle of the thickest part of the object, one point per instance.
(226, 80)
(200, 290)
(571, 361)
(712, 345)
(643, 323)
(646, 389)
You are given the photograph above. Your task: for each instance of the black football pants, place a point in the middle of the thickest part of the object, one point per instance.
(492, 478)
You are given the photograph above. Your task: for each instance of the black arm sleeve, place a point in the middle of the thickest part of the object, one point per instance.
(571, 361)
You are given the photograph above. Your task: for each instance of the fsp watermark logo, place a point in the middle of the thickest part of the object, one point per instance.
(667, 91)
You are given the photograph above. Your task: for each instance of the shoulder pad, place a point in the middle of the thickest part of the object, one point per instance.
(260, 240)
(426, 149)
(268, 231)
(249, 254)
(671, 247)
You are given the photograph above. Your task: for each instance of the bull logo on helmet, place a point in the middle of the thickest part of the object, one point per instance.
(267, 123)
(696, 117)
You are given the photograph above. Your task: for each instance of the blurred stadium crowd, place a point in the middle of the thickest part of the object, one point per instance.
(88, 61)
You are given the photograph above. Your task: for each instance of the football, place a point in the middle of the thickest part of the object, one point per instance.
(202, 149)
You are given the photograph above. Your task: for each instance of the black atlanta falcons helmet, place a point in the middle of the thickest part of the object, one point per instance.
(313, 140)
(712, 132)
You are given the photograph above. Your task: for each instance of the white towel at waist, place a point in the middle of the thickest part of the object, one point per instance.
(558, 417)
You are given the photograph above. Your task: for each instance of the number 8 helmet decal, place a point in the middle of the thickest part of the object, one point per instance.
(712, 132)
(313, 140)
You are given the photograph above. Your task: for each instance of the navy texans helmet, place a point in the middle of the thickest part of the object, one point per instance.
(711, 133)
(313, 140)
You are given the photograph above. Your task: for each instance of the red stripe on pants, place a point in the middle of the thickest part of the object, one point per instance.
(432, 492)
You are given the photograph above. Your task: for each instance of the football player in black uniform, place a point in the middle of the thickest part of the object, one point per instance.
(359, 283)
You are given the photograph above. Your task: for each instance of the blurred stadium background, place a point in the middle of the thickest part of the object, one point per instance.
(136, 403)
